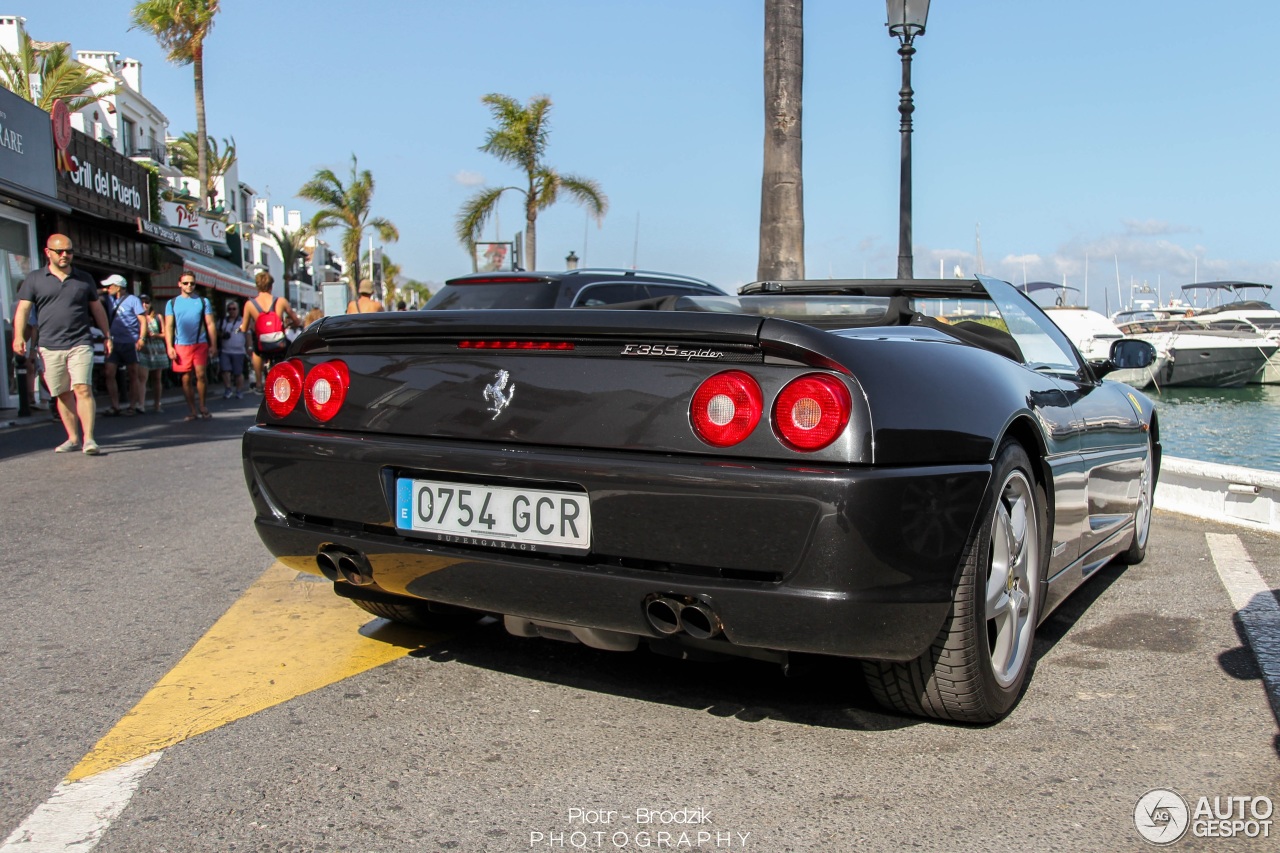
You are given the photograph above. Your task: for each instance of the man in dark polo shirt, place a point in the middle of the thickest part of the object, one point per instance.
(66, 301)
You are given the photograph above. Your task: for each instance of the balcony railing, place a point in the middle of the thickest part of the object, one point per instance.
(156, 152)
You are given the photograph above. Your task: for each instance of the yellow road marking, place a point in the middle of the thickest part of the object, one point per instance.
(283, 638)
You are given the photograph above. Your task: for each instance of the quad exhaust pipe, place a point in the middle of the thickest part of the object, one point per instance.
(338, 564)
(670, 614)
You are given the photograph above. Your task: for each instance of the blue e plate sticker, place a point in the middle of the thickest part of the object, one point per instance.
(404, 503)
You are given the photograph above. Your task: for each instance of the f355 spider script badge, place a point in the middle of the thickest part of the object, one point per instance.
(498, 394)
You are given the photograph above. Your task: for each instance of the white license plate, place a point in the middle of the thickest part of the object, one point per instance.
(499, 516)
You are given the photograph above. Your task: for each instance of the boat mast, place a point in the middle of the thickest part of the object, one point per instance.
(1119, 292)
(1086, 279)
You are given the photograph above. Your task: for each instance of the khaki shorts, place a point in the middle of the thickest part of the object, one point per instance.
(65, 368)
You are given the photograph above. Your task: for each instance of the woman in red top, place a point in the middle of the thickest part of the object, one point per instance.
(263, 303)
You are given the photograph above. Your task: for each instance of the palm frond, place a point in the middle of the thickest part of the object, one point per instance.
(587, 193)
(323, 221)
(19, 71)
(348, 205)
(474, 215)
(323, 192)
(45, 73)
(179, 26)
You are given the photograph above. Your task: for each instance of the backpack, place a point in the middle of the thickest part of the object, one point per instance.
(270, 332)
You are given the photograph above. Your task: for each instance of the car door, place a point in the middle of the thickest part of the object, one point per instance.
(1112, 439)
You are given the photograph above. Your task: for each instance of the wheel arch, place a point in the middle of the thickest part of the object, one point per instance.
(1024, 430)
(1026, 433)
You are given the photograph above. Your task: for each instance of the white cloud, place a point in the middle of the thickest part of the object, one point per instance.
(469, 179)
(1154, 228)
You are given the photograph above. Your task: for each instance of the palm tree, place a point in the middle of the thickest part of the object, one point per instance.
(521, 140)
(289, 244)
(181, 27)
(182, 155)
(782, 182)
(420, 291)
(44, 72)
(348, 207)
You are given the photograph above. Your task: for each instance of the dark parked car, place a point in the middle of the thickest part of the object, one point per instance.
(908, 473)
(582, 288)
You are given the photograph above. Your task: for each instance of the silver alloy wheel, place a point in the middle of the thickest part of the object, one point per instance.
(1013, 579)
(1142, 517)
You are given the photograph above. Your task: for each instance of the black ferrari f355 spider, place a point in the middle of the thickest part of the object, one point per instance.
(908, 473)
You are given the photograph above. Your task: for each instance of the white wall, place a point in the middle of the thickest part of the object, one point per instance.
(11, 29)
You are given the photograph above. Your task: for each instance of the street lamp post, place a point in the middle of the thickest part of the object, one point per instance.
(906, 21)
(571, 260)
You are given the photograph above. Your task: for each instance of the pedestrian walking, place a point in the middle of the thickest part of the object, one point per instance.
(264, 314)
(152, 358)
(365, 303)
(232, 340)
(125, 316)
(68, 306)
(190, 340)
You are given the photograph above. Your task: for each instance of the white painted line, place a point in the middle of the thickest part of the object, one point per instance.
(1255, 604)
(78, 813)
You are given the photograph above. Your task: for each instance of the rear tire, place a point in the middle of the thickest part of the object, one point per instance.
(976, 669)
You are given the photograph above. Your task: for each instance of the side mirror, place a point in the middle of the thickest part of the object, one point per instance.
(1126, 354)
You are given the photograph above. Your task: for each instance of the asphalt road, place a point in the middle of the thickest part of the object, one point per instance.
(477, 741)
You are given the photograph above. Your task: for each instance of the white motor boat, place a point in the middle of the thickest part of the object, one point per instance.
(1253, 316)
(1093, 334)
(1200, 357)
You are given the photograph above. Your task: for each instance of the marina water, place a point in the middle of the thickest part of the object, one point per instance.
(1231, 426)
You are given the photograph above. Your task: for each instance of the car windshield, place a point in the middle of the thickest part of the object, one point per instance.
(524, 294)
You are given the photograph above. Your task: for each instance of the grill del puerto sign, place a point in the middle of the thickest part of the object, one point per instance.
(103, 181)
(90, 176)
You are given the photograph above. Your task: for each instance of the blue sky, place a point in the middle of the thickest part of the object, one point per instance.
(1140, 134)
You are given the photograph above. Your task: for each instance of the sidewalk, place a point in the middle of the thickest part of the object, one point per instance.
(172, 400)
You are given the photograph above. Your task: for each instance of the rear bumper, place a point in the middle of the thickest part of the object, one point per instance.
(858, 562)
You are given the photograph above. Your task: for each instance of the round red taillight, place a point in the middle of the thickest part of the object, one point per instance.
(811, 411)
(283, 387)
(726, 408)
(326, 389)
